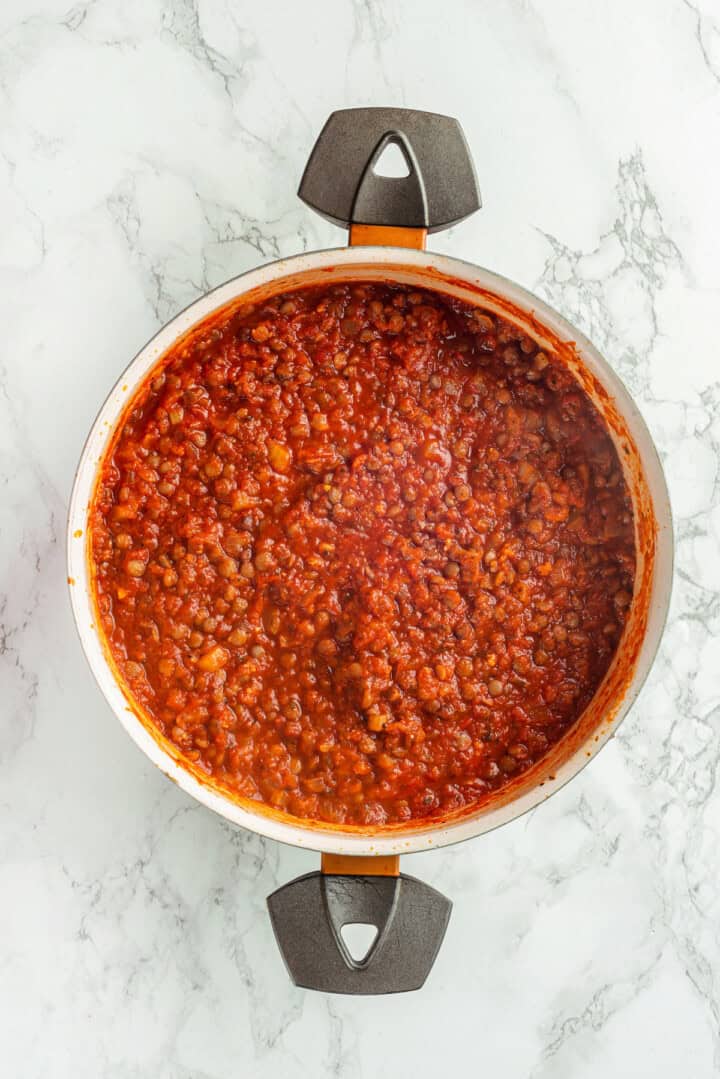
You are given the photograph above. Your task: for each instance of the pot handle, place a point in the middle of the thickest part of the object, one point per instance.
(309, 914)
(439, 190)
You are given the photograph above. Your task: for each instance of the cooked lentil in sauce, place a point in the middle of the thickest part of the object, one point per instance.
(362, 553)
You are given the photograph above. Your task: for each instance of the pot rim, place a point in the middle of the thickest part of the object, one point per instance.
(274, 277)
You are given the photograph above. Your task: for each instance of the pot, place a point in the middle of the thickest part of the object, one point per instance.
(389, 219)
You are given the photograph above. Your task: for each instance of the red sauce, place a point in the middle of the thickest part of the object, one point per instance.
(361, 553)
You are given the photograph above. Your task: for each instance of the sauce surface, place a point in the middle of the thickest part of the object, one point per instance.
(362, 553)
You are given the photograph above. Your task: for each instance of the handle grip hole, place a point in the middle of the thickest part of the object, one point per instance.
(359, 938)
(392, 162)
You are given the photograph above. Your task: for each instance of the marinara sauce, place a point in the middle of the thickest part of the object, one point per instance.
(362, 553)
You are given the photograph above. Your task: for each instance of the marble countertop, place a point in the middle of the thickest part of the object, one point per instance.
(151, 149)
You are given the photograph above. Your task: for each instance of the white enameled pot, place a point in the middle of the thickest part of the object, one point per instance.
(643, 472)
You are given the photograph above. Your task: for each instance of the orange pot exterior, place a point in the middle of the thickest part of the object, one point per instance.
(387, 236)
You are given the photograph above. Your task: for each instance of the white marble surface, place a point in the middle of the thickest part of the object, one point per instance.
(151, 149)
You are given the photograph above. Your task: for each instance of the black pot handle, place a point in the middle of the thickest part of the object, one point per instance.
(309, 913)
(340, 181)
